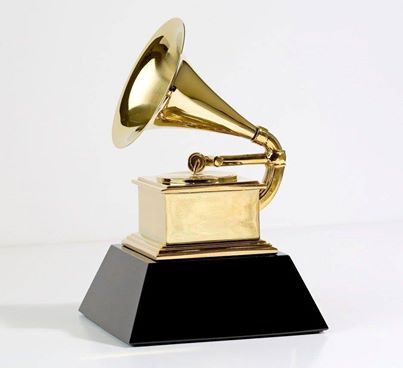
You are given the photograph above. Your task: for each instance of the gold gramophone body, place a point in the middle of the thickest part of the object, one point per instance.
(197, 269)
(198, 214)
(198, 220)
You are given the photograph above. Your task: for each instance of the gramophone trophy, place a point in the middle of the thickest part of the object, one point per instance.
(197, 269)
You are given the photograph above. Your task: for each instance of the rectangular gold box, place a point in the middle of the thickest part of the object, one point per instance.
(194, 214)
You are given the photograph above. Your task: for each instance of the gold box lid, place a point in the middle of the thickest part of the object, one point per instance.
(204, 182)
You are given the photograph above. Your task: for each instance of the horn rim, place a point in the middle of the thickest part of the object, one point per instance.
(173, 31)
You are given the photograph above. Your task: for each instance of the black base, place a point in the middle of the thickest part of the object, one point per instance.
(143, 302)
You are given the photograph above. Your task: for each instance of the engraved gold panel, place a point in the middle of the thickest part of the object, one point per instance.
(188, 214)
(214, 216)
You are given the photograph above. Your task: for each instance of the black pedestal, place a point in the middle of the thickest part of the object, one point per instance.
(144, 302)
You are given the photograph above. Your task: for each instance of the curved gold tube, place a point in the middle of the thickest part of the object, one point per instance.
(274, 167)
(273, 159)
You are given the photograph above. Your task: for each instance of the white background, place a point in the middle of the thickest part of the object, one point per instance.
(324, 76)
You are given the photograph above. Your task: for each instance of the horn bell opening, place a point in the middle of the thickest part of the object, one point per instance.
(149, 82)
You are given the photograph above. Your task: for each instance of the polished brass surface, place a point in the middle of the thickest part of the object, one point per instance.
(177, 214)
(160, 251)
(164, 91)
(206, 177)
(197, 161)
(149, 83)
(183, 187)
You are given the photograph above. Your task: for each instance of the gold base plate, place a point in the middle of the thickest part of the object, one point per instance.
(158, 251)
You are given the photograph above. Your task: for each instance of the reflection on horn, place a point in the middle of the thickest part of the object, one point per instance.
(164, 91)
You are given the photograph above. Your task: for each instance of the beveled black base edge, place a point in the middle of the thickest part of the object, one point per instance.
(143, 302)
(246, 337)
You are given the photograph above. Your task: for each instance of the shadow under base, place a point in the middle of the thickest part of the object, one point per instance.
(144, 302)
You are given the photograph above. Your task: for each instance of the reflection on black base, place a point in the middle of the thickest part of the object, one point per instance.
(143, 302)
